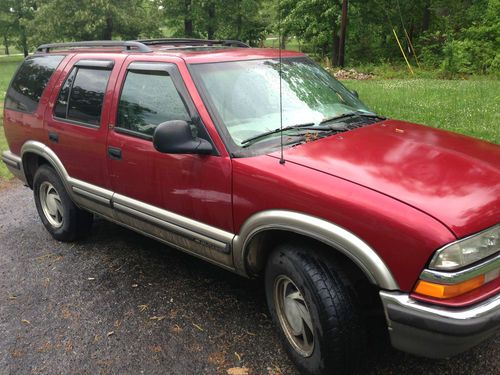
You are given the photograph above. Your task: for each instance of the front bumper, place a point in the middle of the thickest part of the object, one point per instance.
(435, 331)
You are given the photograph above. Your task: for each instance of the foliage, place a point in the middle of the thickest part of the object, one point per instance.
(459, 37)
(66, 20)
(314, 21)
(243, 20)
(476, 48)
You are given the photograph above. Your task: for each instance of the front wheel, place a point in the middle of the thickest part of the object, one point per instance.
(315, 309)
(60, 216)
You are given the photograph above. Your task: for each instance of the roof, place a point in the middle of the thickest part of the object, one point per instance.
(193, 51)
(226, 54)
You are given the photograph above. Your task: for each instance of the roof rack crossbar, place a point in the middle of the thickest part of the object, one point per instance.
(127, 45)
(192, 42)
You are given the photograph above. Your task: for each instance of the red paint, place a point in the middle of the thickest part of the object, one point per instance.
(403, 236)
(405, 189)
(81, 148)
(453, 178)
(195, 186)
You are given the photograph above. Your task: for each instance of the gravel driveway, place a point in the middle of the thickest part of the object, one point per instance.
(119, 303)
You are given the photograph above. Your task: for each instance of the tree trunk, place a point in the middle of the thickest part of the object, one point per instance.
(24, 42)
(426, 19)
(239, 25)
(211, 20)
(107, 32)
(335, 49)
(282, 41)
(6, 44)
(188, 21)
(343, 31)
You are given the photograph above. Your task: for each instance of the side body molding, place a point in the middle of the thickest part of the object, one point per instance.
(202, 240)
(199, 239)
(339, 238)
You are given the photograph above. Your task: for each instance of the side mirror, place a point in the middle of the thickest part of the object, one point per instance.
(175, 137)
(355, 93)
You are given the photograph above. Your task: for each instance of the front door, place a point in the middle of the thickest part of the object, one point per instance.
(182, 199)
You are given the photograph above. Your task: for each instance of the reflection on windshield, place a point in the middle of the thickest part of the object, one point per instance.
(245, 95)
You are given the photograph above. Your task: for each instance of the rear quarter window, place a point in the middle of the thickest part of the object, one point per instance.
(30, 81)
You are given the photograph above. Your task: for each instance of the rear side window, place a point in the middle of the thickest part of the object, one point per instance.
(147, 100)
(31, 79)
(82, 95)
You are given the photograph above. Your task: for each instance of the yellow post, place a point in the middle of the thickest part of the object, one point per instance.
(412, 49)
(402, 51)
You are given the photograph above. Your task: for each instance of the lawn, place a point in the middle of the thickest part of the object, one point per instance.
(8, 65)
(464, 106)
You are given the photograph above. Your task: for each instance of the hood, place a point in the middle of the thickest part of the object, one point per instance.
(454, 178)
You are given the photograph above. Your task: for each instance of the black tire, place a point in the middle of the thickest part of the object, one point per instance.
(338, 334)
(69, 223)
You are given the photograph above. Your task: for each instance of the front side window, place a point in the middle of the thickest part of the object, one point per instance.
(245, 95)
(82, 95)
(30, 81)
(147, 100)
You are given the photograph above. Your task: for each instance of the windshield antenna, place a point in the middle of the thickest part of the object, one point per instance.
(282, 159)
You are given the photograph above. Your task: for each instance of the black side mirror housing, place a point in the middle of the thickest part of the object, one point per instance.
(355, 93)
(175, 137)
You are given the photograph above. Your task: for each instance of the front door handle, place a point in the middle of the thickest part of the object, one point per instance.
(54, 137)
(115, 153)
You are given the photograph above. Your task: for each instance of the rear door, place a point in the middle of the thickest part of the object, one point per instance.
(77, 114)
(183, 199)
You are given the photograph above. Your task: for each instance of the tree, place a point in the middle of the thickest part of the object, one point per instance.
(67, 20)
(217, 19)
(14, 17)
(6, 28)
(314, 21)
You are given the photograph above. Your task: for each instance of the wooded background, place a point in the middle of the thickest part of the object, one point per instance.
(454, 36)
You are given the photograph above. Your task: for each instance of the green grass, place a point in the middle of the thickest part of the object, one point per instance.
(469, 107)
(8, 66)
(12, 50)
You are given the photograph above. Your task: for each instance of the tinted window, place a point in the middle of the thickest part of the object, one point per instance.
(31, 79)
(62, 100)
(87, 94)
(148, 99)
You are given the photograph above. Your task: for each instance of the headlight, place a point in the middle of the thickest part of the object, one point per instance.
(467, 251)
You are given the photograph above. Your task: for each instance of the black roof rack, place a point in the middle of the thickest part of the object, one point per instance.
(127, 45)
(141, 45)
(190, 42)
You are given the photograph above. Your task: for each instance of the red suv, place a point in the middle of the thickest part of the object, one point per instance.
(262, 163)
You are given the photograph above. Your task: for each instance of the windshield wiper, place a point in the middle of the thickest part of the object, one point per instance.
(271, 132)
(350, 114)
(312, 126)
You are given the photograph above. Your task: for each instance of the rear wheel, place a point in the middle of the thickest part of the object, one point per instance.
(315, 309)
(60, 216)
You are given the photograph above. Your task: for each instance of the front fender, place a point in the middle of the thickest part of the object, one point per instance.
(329, 233)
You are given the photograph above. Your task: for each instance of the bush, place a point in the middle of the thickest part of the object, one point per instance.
(470, 56)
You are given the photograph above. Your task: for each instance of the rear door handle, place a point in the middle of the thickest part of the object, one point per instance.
(115, 153)
(54, 137)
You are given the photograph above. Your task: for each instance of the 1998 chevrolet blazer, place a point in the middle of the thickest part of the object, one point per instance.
(181, 139)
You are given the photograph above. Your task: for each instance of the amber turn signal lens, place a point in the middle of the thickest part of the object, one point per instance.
(448, 291)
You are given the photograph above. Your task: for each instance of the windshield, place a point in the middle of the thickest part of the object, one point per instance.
(246, 95)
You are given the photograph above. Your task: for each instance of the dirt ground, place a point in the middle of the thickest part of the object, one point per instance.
(119, 303)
